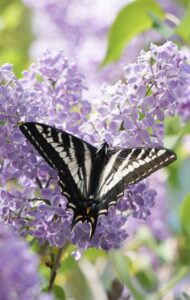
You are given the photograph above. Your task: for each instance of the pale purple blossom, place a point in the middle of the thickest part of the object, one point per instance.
(50, 92)
(80, 29)
(154, 88)
(19, 278)
(158, 219)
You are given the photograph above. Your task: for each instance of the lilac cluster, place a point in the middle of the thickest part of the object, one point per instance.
(50, 92)
(129, 114)
(183, 105)
(157, 221)
(31, 200)
(81, 28)
(19, 266)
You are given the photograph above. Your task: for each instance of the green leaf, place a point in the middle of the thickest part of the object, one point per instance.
(92, 254)
(185, 296)
(122, 266)
(15, 34)
(5, 3)
(95, 284)
(161, 27)
(59, 292)
(74, 281)
(175, 131)
(147, 279)
(133, 19)
(172, 125)
(170, 285)
(16, 10)
(183, 29)
(185, 214)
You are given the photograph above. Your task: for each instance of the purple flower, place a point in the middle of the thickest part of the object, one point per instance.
(19, 277)
(157, 221)
(50, 92)
(154, 87)
(130, 114)
(81, 28)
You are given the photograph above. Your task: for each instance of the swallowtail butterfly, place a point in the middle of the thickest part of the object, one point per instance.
(93, 179)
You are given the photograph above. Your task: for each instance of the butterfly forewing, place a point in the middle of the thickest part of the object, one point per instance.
(66, 153)
(127, 167)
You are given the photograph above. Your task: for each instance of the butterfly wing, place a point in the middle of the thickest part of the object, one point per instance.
(66, 153)
(127, 167)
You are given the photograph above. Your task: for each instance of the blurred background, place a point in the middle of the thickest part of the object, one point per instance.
(155, 260)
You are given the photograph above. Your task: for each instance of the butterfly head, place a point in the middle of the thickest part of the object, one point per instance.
(103, 151)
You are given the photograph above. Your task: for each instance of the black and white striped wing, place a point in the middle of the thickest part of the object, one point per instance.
(66, 153)
(127, 167)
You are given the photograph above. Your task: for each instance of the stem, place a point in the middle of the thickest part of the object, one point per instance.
(48, 182)
(54, 269)
(168, 287)
(39, 183)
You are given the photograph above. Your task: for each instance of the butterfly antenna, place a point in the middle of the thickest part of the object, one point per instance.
(98, 134)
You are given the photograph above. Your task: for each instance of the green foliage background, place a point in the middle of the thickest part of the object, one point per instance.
(99, 275)
(15, 34)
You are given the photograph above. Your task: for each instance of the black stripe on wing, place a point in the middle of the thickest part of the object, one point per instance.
(127, 167)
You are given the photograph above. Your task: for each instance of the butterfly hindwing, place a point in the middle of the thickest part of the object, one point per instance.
(126, 167)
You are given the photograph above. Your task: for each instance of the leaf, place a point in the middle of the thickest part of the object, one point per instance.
(148, 279)
(59, 292)
(171, 284)
(183, 29)
(185, 296)
(16, 10)
(15, 34)
(161, 27)
(95, 284)
(133, 19)
(92, 254)
(122, 267)
(70, 275)
(185, 214)
(4, 4)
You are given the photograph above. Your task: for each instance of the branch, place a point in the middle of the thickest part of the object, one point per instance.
(54, 269)
(39, 183)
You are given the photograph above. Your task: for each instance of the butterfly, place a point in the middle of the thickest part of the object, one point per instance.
(91, 179)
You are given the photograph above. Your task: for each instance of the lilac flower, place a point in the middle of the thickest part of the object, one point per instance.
(154, 87)
(129, 114)
(50, 92)
(136, 109)
(19, 278)
(157, 221)
(81, 29)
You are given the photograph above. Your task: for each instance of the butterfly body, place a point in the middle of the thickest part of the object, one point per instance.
(91, 179)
